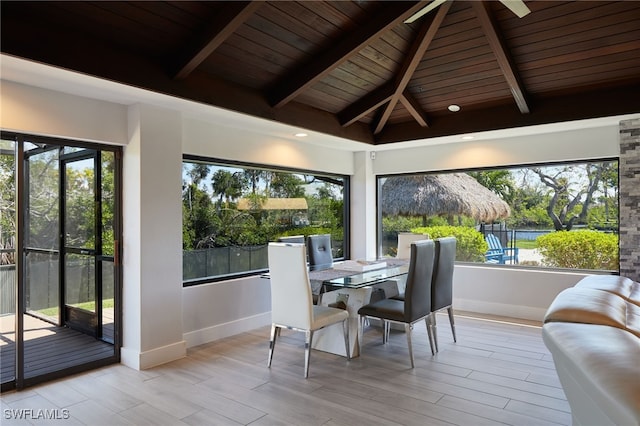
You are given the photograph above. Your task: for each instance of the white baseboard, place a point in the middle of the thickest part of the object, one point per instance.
(500, 309)
(220, 331)
(157, 356)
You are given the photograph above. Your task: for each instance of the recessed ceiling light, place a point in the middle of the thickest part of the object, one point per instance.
(468, 138)
(453, 108)
(301, 135)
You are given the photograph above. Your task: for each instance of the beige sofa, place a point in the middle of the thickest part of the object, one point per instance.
(593, 333)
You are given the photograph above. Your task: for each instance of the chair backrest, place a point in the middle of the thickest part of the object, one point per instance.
(494, 242)
(404, 243)
(442, 283)
(320, 256)
(417, 292)
(299, 239)
(291, 298)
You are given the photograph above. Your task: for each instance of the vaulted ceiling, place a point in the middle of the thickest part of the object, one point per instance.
(352, 69)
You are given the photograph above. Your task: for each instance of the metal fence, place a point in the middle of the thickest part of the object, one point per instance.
(7, 289)
(223, 261)
(42, 284)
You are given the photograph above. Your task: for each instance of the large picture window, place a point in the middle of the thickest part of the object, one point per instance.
(549, 216)
(231, 212)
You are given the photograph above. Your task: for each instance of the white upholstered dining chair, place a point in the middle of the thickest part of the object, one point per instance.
(291, 300)
(404, 243)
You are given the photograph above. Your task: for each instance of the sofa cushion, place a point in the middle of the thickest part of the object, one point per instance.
(622, 286)
(633, 319)
(588, 306)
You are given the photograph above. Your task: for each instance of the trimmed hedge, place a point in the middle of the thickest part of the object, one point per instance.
(470, 245)
(584, 249)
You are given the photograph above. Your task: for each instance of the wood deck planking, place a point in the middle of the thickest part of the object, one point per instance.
(48, 348)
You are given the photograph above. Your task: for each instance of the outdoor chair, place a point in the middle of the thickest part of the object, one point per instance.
(291, 300)
(497, 253)
(416, 305)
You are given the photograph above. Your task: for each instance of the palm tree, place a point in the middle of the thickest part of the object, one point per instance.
(227, 186)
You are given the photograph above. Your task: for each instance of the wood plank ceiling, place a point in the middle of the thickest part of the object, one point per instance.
(353, 69)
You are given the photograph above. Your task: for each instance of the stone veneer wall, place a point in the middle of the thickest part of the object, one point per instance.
(630, 198)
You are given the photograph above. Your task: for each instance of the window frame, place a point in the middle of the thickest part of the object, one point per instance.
(212, 161)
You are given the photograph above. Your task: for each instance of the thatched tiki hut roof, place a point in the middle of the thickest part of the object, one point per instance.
(442, 195)
(275, 204)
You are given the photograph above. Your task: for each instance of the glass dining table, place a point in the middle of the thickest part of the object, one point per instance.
(336, 278)
(355, 289)
(362, 279)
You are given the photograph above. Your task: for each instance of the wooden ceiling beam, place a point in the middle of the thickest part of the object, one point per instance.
(300, 78)
(385, 113)
(414, 56)
(602, 102)
(223, 25)
(506, 63)
(414, 108)
(93, 56)
(366, 104)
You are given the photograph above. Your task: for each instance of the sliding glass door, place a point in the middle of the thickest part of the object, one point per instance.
(8, 282)
(42, 232)
(81, 242)
(67, 282)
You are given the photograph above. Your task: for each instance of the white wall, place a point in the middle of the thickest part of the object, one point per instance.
(579, 144)
(217, 310)
(508, 292)
(161, 317)
(228, 143)
(152, 246)
(39, 111)
(363, 202)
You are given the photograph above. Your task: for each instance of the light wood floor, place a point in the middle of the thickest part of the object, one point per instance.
(497, 373)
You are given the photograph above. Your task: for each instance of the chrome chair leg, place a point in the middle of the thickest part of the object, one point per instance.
(452, 322)
(272, 343)
(407, 329)
(308, 337)
(433, 326)
(345, 327)
(360, 337)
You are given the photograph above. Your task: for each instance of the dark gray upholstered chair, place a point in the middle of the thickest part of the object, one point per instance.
(416, 305)
(291, 305)
(442, 285)
(319, 248)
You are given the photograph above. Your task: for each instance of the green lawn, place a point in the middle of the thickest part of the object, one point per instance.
(526, 244)
(88, 306)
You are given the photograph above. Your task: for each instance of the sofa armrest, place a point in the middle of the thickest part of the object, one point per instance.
(599, 368)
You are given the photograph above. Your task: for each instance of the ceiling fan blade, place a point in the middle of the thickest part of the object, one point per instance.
(427, 8)
(517, 6)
